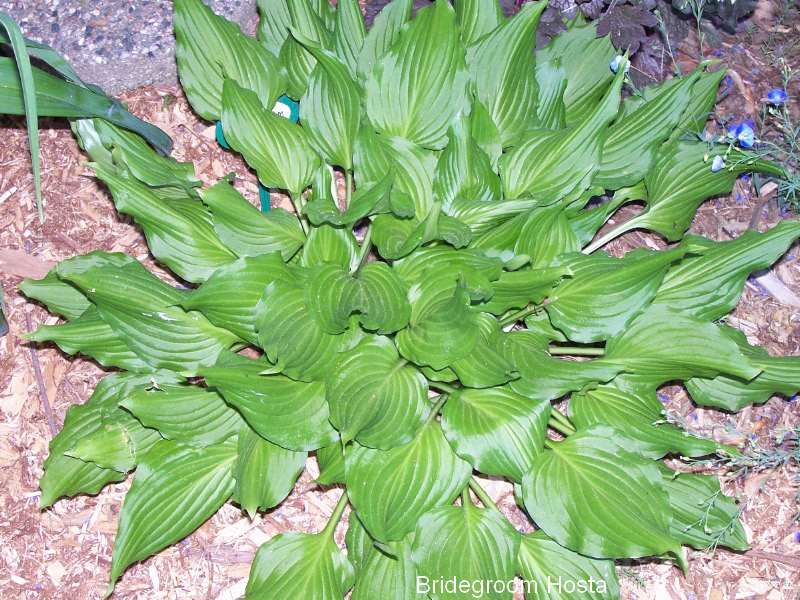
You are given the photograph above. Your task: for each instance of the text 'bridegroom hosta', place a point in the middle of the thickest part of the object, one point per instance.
(417, 329)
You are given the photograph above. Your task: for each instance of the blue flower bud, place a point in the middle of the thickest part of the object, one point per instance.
(776, 97)
(617, 61)
(717, 164)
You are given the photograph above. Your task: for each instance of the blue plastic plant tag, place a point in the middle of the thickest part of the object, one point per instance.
(285, 107)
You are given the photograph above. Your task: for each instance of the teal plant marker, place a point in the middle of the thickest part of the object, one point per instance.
(285, 107)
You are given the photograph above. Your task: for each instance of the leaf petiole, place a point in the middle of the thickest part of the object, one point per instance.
(517, 316)
(449, 389)
(562, 420)
(481, 494)
(336, 515)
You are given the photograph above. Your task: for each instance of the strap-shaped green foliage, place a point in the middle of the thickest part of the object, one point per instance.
(415, 328)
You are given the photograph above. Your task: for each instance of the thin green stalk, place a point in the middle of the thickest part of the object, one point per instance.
(465, 499)
(444, 387)
(336, 516)
(481, 494)
(297, 204)
(364, 250)
(559, 427)
(562, 419)
(437, 407)
(348, 194)
(518, 316)
(576, 351)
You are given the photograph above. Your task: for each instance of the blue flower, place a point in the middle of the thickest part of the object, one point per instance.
(743, 134)
(617, 61)
(717, 164)
(776, 97)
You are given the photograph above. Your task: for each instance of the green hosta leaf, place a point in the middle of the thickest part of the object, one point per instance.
(466, 543)
(545, 234)
(381, 575)
(554, 573)
(378, 482)
(248, 231)
(708, 286)
(485, 133)
(89, 334)
(681, 179)
(780, 375)
(331, 109)
(587, 222)
(292, 414)
(517, 289)
(605, 294)
(413, 168)
(556, 165)
(374, 199)
(210, 49)
(309, 24)
(292, 338)
(543, 377)
(661, 345)
(469, 263)
(640, 417)
(496, 430)
(331, 295)
(115, 446)
(349, 34)
(265, 473)
(702, 516)
(503, 70)
(331, 466)
(383, 303)
(67, 476)
(184, 413)
(464, 171)
(179, 233)
(58, 296)
(443, 327)
(273, 24)
(552, 81)
(592, 496)
(229, 297)
(326, 244)
(415, 90)
(375, 397)
(276, 148)
(141, 311)
(585, 58)
(382, 35)
(487, 365)
(190, 484)
(299, 565)
(701, 104)
(476, 18)
(105, 142)
(633, 140)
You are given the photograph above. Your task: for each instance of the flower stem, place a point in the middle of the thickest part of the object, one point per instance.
(336, 516)
(481, 494)
(518, 316)
(576, 351)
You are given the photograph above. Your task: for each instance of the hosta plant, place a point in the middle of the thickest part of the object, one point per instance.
(415, 328)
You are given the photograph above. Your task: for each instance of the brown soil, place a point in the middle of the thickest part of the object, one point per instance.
(65, 552)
